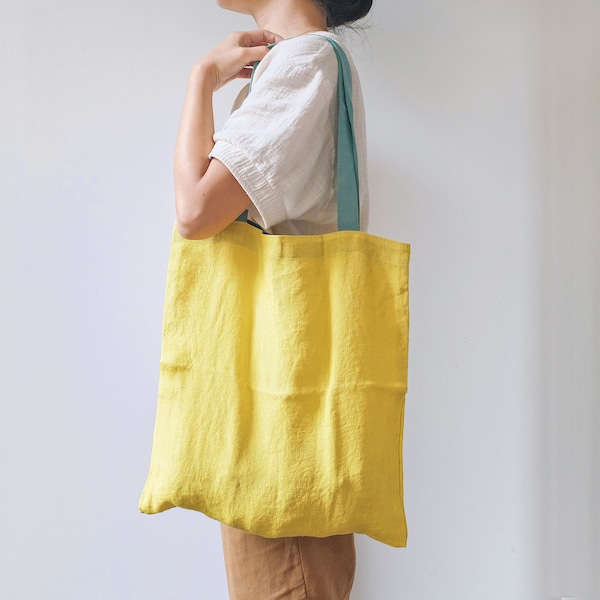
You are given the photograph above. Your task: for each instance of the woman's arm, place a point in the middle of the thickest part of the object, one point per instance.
(207, 196)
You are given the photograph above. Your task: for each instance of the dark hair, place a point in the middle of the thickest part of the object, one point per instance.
(344, 12)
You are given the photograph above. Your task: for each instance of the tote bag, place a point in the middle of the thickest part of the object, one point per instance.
(283, 374)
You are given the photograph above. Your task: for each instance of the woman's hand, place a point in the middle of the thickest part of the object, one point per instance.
(230, 59)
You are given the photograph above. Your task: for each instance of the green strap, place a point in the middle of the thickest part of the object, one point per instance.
(348, 198)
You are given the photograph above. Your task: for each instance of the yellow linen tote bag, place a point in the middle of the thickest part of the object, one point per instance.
(283, 374)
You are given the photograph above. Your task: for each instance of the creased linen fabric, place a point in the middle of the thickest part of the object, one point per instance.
(282, 384)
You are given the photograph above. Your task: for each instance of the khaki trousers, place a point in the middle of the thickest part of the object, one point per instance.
(292, 568)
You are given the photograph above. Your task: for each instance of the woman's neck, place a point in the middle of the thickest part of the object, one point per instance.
(290, 18)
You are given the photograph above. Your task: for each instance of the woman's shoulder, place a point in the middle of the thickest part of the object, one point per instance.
(310, 50)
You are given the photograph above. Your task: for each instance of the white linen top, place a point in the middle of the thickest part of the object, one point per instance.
(280, 140)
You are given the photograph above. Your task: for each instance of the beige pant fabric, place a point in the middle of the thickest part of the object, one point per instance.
(291, 568)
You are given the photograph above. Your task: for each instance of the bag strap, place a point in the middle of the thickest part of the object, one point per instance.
(348, 197)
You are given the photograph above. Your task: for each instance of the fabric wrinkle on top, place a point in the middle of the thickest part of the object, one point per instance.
(280, 140)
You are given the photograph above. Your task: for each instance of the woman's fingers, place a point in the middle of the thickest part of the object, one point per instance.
(229, 59)
(258, 37)
(251, 54)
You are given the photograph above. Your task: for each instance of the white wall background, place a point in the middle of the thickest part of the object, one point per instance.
(484, 130)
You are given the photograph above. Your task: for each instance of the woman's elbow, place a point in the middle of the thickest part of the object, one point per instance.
(192, 223)
(203, 213)
(191, 229)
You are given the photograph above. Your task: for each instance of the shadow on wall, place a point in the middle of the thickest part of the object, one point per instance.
(570, 288)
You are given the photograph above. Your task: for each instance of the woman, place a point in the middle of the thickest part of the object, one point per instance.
(275, 157)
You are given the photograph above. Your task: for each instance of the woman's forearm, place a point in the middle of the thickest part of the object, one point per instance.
(194, 142)
(207, 196)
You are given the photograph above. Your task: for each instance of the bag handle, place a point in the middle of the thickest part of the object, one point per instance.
(348, 197)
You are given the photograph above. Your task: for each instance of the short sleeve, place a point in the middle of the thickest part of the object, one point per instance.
(279, 144)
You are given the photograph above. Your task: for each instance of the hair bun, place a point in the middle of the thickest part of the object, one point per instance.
(344, 12)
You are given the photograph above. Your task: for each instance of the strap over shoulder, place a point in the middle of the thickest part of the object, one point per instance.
(348, 186)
